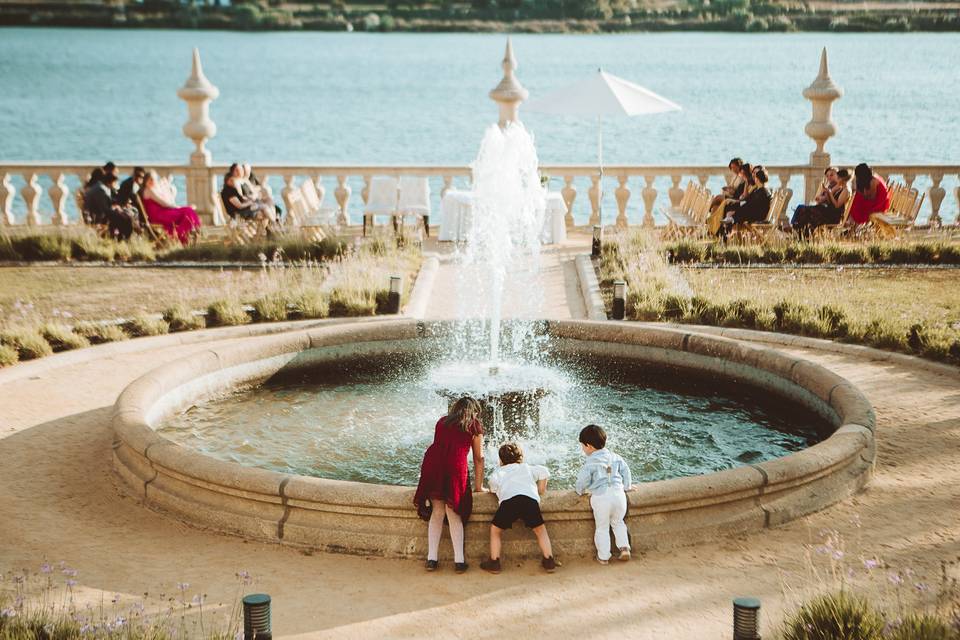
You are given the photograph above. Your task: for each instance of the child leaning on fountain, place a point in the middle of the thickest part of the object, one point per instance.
(605, 476)
(518, 486)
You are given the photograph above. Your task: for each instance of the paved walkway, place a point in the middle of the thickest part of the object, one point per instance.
(59, 501)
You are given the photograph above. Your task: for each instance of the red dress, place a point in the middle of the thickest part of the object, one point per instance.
(179, 222)
(862, 206)
(444, 474)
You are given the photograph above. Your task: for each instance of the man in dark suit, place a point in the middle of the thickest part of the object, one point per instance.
(98, 200)
(130, 186)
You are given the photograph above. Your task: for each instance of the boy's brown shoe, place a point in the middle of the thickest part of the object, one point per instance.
(549, 564)
(491, 565)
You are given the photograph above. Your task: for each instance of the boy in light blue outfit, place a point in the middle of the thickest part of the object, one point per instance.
(606, 477)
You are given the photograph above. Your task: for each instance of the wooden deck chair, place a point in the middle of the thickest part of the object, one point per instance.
(901, 215)
(763, 230)
(381, 200)
(824, 231)
(683, 220)
(318, 214)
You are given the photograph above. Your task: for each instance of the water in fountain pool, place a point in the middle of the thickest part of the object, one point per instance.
(372, 423)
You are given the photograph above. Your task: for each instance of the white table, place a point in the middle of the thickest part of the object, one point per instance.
(456, 216)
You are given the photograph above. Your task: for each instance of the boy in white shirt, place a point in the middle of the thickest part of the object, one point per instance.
(518, 486)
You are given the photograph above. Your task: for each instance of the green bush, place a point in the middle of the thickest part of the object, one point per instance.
(271, 307)
(877, 333)
(28, 343)
(917, 626)
(141, 249)
(741, 313)
(43, 247)
(224, 313)
(838, 616)
(62, 338)
(685, 251)
(98, 333)
(8, 356)
(142, 326)
(180, 318)
(834, 321)
(674, 307)
(7, 252)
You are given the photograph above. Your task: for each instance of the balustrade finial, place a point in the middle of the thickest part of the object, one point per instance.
(197, 92)
(821, 93)
(509, 93)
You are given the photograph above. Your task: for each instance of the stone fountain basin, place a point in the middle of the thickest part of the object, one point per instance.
(353, 517)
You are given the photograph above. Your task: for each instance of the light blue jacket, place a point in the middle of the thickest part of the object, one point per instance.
(602, 470)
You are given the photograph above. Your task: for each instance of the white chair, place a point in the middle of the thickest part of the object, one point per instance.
(317, 213)
(415, 199)
(381, 199)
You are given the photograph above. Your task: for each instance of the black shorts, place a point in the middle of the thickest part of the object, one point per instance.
(518, 508)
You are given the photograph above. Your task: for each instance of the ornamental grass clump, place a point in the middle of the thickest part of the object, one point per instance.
(227, 312)
(62, 338)
(8, 356)
(834, 616)
(93, 248)
(922, 626)
(311, 304)
(7, 252)
(27, 342)
(180, 318)
(352, 302)
(142, 326)
(271, 307)
(98, 333)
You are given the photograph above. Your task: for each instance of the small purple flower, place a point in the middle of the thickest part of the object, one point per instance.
(7, 613)
(85, 629)
(67, 571)
(46, 568)
(870, 563)
(183, 586)
(837, 554)
(71, 582)
(138, 607)
(197, 600)
(896, 579)
(922, 587)
(120, 621)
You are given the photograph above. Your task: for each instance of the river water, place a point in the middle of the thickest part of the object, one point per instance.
(324, 98)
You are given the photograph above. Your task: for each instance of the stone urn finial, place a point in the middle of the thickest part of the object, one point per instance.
(509, 93)
(197, 92)
(821, 93)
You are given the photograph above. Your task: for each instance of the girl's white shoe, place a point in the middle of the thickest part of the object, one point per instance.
(624, 554)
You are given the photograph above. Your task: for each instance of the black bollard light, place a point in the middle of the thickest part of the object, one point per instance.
(746, 619)
(597, 241)
(619, 300)
(393, 299)
(256, 617)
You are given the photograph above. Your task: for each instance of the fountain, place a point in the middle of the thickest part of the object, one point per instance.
(314, 437)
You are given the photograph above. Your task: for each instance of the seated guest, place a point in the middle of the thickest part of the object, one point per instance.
(871, 195)
(733, 190)
(737, 195)
(128, 189)
(98, 201)
(831, 198)
(157, 197)
(95, 176)
(754, 208)
(239, 205)
(252, 188)
(110, 169)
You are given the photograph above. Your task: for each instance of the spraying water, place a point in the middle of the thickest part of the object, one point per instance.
(502, 254)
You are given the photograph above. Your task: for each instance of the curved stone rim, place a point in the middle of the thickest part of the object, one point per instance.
(368, 518)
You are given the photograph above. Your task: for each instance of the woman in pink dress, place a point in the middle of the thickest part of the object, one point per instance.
(871, 195)
(179, 222)
(444, 488)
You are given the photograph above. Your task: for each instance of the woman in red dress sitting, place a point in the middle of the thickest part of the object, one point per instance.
(444, 488)
(871, 195)
(179, 222)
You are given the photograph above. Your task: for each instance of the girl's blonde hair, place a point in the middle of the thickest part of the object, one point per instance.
(465, 414)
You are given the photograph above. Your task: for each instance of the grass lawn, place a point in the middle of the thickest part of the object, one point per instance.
(99, 293)
(902, 297)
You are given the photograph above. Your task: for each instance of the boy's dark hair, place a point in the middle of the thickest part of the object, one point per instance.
(738, 162)
(510, 453)
(594, 436)
(843, 174)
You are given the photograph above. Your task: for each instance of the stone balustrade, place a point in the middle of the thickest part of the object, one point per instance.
(43, 194)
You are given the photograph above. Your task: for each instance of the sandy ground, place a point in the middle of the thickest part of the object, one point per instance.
(59, 501)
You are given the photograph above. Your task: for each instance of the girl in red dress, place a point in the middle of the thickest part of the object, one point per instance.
(444, 488)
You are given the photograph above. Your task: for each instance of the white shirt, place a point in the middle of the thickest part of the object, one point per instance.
(517, 479)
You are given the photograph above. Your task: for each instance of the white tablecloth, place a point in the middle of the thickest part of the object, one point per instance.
(457, 216)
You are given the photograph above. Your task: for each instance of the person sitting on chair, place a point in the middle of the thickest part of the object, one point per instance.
(98, 200)
(754, 208)
(747, 183)
(160, 207)
(734, 190)
(871, 195)
(252, 188)
(829, 202)
(239, 205)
